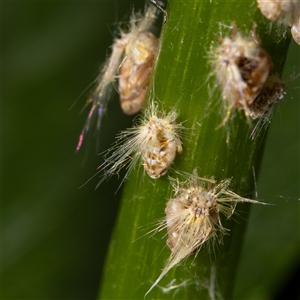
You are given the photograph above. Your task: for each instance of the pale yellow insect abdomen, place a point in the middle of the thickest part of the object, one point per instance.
(160, 146)
(135, 71)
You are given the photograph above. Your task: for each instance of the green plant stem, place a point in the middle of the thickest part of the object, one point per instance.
(182, 79)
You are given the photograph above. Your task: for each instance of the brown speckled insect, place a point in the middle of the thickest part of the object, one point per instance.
(155, 141)
(242, 67)
(263, 104)
(131, 62)
(288, 10)
(193, 216)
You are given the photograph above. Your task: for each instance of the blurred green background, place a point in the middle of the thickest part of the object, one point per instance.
(55, 235)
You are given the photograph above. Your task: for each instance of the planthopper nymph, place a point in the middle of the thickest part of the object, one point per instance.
(241, 67)
(193, 216)
(154, 141)
(130, 63)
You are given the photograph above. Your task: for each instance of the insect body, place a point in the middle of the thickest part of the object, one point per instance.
(262, 107)
(295, 30)
(272, 9)
(155, 141)
(242, 67)
(193, 216)
(160, 144)
(271, 93)
(131, 62)
(288, 10)
(135, 71)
